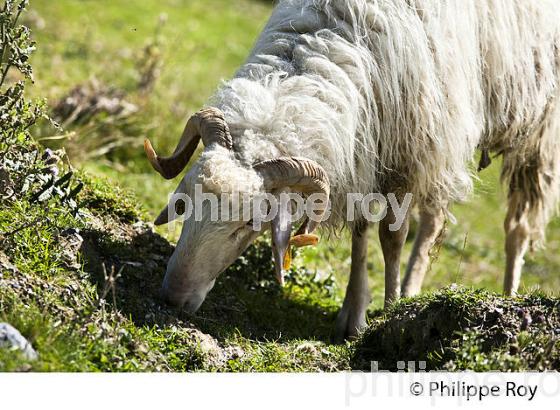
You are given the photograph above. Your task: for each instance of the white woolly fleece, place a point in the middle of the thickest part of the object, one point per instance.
(219, 172)
(395, 95)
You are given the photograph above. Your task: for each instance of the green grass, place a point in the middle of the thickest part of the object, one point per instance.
(200, 47)
(248, 322)
(93, 305)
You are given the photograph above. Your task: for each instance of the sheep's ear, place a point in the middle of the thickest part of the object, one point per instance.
(281, 231)
(165, 216)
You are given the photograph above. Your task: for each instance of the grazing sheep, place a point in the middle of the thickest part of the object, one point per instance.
(387, 96)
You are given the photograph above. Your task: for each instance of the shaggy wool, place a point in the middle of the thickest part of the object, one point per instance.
(396, 95)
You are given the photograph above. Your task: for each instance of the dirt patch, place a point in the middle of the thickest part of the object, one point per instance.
(458, 328)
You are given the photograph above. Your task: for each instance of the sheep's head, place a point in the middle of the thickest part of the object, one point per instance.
(209, 241)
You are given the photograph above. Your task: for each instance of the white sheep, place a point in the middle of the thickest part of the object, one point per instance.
(388, 96)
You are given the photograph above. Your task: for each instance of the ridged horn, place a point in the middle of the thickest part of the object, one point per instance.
(208, 124)
(300, 175)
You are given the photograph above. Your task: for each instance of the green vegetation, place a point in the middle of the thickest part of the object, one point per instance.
(193, 45)
(80, 269)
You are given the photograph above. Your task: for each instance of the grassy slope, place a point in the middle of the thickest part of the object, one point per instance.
(84, 290)
(84, 38)
(78, 40)
(56, 291)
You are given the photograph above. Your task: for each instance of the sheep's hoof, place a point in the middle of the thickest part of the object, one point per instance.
(349, 324)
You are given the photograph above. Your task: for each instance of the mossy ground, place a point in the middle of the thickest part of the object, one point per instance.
(464, 329)
(83, 286)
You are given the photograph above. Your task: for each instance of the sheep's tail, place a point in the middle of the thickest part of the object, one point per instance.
(533, 172)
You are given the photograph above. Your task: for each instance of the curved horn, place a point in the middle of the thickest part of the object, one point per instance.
(299, 174)
(207, 124)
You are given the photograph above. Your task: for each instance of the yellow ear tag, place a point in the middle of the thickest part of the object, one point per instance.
(298, 241)
(304, 240)
(287, 259)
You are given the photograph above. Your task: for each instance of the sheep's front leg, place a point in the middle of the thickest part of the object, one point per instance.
(392, 241)
(352, 317)
(430, 227)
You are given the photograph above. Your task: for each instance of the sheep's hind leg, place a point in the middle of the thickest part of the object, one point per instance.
(430, 228)
(392, 242)
(518, 231)
(533, 198)
(532, 174)
(352, 317)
